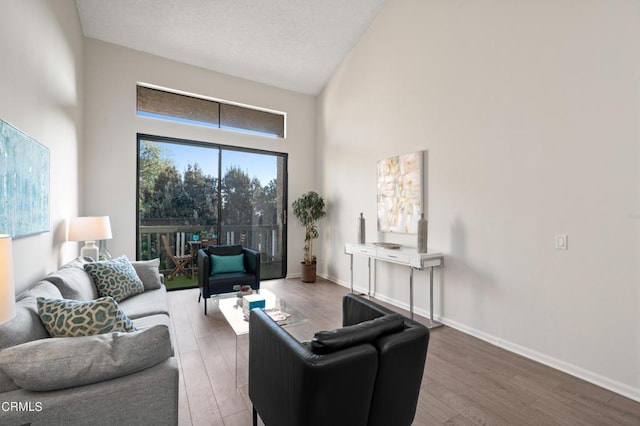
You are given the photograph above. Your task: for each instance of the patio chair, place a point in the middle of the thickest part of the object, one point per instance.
(179, 261)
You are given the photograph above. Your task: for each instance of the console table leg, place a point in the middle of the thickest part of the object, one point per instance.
(434, 323)
(411, 292)
(351, 273)
(369, 263)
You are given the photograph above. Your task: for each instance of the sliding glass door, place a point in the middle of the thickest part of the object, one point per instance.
(193, 194)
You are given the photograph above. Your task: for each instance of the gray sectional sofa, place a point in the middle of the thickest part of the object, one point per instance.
(117, 378)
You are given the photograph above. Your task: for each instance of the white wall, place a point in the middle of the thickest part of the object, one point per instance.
(529, 112)
(41, 94)
(111, 126)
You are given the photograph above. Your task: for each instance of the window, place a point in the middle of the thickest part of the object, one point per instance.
(194, 194)
(168, 105)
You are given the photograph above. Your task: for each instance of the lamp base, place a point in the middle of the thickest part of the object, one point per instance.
(90, 249)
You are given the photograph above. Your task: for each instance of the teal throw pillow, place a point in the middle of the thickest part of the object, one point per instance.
(225, 264)
(116, 278)
(73, 318)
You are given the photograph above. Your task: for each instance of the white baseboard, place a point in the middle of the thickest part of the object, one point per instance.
(586, 375)
(573, 370)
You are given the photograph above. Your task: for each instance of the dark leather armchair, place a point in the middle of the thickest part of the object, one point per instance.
(218, 283)
(367, 373)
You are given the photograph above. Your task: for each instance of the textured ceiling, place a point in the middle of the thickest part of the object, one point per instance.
(291, 44)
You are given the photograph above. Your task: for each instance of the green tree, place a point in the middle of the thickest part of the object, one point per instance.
(202, 195)
(151, 164)
(167, 196)
(265, 203)
(170, 197)
(237, 194)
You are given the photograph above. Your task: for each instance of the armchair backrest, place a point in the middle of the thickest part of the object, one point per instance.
(225, 250)
(251, 258)
(288, 380)
(228, 275)
(291, 386)
(402, 358)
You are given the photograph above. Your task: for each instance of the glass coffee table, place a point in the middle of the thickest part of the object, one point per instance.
(231, 307)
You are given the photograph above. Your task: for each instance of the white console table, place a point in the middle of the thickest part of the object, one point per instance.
(402, 256)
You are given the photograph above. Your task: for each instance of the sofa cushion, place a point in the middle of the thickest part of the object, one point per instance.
(325, 342)
(26, 325)
(149, 273)
(60, 363)
(150, 302)
(227, 264)
(73, 318)
(115, 278)
(73, 281)
(144, 323)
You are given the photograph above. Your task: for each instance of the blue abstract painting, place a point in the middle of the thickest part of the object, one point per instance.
(24, 183)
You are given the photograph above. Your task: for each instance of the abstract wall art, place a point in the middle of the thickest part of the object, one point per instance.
(24, 183)
(400, 199)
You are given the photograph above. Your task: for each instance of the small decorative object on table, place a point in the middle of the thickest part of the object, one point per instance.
(423, 230)
(252, 301)
(361, 223)
(243, 290)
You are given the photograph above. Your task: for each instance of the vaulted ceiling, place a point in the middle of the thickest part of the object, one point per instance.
(291, 44)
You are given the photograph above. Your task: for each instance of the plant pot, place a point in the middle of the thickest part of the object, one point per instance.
(308, 273)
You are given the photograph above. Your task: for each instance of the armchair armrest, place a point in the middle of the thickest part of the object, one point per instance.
(204, 268)
(252, 261)
(289, 385)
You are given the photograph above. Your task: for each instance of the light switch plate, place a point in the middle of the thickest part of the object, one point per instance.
(561, 242)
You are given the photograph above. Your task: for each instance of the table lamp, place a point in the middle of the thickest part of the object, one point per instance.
(7, 292)
(89, 229)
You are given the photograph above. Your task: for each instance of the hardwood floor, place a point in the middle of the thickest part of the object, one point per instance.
(466, 380)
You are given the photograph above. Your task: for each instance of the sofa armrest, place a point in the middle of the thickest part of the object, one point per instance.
(289, 385)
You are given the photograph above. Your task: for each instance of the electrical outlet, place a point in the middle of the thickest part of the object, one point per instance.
(561, 242)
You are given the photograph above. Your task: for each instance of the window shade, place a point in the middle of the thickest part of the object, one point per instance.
(176, 105)
(218, 114)
(251, 119)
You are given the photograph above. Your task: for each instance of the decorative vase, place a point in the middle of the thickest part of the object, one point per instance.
(361, 238)
(423, 231)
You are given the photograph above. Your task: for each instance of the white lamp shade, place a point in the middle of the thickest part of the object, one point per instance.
(7, 291)
(91, 228)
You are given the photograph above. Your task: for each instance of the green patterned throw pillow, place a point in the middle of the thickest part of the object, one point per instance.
(116, 278)
(73, 318)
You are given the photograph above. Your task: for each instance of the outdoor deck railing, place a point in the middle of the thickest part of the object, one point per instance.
(264, 238)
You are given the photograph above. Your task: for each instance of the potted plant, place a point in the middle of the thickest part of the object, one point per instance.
(309, 208)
